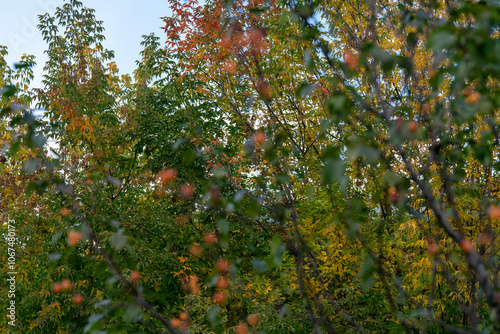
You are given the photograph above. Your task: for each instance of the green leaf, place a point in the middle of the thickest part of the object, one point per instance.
(93, 323)
(31, 165)
(21, 65)
(103, 302)
(366, 273)
(259, 265)
(132, 313)
(118, 240)
(333, 171)
(441, 40)
(277, 251)
(54, 257)
(113, 181)
(223, 225)
(253, 209)
(8, 91)
(189, 155)
(38, 140)
(213, 315)
(305, 90)
(65, 188)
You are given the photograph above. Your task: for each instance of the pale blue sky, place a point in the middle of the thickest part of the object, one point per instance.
(125, 21)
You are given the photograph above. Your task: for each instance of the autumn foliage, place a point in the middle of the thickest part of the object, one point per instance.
(274, 167)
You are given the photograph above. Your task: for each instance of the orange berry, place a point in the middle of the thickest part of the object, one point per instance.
(57, 287)
(175, 322)
(426, 108)
(264, 90)
(167, 175)
(399, 124)
(412, 126)
(193, 284)
(64, 212)
(222, 283)
(195, 250)
(256, 35)
(222, 265)
(225, 41)
(219, 297)
(66, 284)
(74, 237)
(184, 316)
(214, 194)
(78, 299)
(187, 190)
(259, 137)
(253, 319)
(134, 277)
(229, 67)
(88, 182)
(433, 249)
(494, 212)
(256, 39)
(241, 328)
(351, 60)
(393, 194)
(210, 238)
(466, 245)
(473, 97)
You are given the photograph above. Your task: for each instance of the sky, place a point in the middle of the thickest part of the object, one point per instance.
(125, 21)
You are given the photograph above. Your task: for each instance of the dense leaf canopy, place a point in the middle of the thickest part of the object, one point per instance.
(275, 167)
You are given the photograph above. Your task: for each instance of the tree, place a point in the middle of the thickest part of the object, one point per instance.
(277, 167)
(397, 108)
